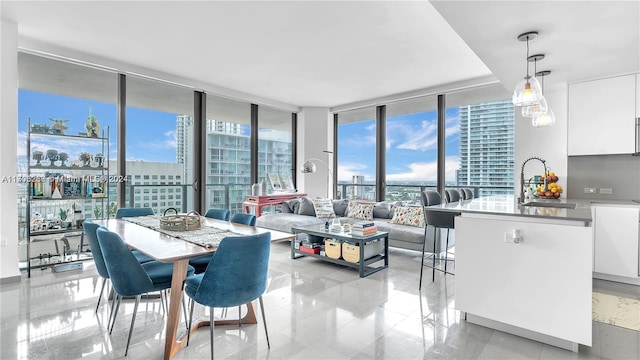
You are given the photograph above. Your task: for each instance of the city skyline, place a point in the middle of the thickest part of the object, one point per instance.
(411, 147)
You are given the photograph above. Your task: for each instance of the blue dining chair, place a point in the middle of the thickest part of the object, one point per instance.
(128, 276)
(236, 275)
(244, 219)
(90, 233)
(200, 263)
(132, 212)
(220, 214)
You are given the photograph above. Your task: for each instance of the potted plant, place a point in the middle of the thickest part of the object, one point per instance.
(64, 213)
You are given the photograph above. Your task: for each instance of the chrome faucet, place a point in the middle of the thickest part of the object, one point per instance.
(521, 198)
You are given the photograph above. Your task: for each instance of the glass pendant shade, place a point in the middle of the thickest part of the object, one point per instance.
(528, 92)
(535, 110)
(546, 119)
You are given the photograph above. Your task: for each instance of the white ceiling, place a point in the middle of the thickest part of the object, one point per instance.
(329, 53)
(581, 40)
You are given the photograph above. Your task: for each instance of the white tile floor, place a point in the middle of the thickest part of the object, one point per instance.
(315, 310)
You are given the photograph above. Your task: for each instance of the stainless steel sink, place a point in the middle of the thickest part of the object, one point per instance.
(550, 204)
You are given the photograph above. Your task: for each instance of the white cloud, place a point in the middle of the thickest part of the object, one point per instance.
(170, 140)
(408, 135)
(427, 171)
(422, 138)
(346, 171)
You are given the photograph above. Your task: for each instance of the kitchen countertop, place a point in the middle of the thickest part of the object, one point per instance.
(506, 205)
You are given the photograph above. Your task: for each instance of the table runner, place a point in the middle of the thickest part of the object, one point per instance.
(206, 236)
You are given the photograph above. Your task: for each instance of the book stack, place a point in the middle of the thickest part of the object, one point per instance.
(364, 228)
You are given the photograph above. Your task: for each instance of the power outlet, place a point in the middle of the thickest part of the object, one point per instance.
(3, 241)
(606, 191)
(589, 190)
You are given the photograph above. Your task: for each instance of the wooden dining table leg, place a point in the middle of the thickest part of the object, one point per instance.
(172, 345)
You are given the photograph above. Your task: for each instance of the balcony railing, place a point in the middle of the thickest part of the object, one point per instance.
(409, 193)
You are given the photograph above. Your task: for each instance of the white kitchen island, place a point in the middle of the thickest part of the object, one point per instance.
(540, 287)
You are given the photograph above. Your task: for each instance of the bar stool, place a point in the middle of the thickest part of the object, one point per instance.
(466, 193)
(440, 220)
(429, 198)
(452, 195)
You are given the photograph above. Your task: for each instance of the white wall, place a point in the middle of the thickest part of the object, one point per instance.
(315, 134)
(548, 143)
(8, 151)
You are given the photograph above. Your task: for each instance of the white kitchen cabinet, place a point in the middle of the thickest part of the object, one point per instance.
(637, 97)
(542, 284)
(616, 234)
(602, 115)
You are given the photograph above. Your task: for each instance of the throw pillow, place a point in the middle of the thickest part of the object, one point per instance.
(306, 207)
(293, 205)
(408, 215)
(382, 210)
(394, 206)
(340, 206)
(362, 211)
(323, 208)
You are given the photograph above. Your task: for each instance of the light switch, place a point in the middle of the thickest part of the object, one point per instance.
(606, 191)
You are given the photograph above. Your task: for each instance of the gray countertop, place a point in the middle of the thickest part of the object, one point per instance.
(506, 205)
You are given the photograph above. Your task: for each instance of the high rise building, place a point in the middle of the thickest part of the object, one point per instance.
(228, 154)
(157, 185)
(487, 133)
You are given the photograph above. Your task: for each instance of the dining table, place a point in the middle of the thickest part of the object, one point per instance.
(169, 247)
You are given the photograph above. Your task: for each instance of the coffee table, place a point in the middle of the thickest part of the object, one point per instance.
(363, 264)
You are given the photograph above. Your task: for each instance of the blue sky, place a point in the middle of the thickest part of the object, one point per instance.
(150, 134)
(411, 139)
(411, 147)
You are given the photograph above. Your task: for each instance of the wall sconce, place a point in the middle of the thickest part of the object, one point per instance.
(528, 91)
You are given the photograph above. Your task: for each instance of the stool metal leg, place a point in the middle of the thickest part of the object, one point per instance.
(433, 270)
(424, 244)
(446, 252)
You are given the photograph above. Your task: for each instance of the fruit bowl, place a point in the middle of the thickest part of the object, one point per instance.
(547, 186)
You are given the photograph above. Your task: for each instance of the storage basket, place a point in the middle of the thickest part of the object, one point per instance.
(351, 252)
(332, 248)
(180, 222)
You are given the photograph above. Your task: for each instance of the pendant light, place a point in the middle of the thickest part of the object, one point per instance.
(547, 118)
(541, 107)
(527, 91)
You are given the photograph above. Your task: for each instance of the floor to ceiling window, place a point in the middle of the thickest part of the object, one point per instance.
(480, 123)
(159, 145)
(56, 101)
(412, 148)
(357, 154)
(228, 153)
(478, 146)
(275, 152)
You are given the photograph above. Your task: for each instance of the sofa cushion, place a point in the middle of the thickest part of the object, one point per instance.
(408, 215)
(323, 208)
(306, 207)
(362, 211)
(284, 222)
(340, 206)
(404, 233)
